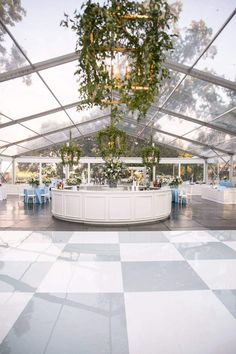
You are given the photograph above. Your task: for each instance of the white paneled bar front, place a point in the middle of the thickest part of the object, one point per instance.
(111, 206)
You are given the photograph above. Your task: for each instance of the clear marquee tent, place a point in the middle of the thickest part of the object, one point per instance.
(195, 111)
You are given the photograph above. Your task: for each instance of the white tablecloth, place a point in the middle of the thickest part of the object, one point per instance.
(3, 193)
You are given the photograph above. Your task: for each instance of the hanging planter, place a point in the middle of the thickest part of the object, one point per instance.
(122, 48)
(70, 153)
(111, 142)
(150, 156)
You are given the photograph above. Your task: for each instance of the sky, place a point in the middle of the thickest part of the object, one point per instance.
(40, 34)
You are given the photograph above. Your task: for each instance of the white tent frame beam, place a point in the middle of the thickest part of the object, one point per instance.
(40, 114)
(127, 120)
(67, 58)
(159, 109)
(192, 67)
(131, 135)
(5, 28)
(194, 120)
(196, 142)
(68, 127)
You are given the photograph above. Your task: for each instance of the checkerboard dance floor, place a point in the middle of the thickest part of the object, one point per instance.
(170, 292)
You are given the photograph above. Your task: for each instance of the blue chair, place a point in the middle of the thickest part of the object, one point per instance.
(30, 194)
(45, 194)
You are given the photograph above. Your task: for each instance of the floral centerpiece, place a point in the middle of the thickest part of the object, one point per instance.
(113, 171)
(47, 181)
(164, 180)
(34, 182)
(73, 181)
(175, 181)
(136, 176)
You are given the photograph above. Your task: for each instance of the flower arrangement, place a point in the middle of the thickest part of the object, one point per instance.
(73, 181)
(33, 181)
(46, 180)
(136, 176)
(175, 181)
(164, 180)
(113, 171)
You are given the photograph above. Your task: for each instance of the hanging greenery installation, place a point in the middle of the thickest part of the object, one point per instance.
(70, 153)
(122, 47)
(111, 142)
(150, 156)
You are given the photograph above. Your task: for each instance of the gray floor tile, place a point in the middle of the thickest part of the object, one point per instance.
(228, 298)
(70, 324)
(142, 237)
(22, 276)
(209, 250)
(54, 237)
(224, 235)
(160, 276)
(90, 252)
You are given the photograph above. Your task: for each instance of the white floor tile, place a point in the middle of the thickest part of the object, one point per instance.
(46, 252)
(186, 322)
(231, 244)
(13, 238)
(83, 277)
(189, 236)
(162, 251)
(217, 274)
(31, 252)
(11, 306)
(95, 237)
(58, 277)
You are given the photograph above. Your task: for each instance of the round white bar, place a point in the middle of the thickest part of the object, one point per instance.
(111, 206)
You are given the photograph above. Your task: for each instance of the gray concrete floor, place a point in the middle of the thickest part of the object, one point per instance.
(198, 215)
